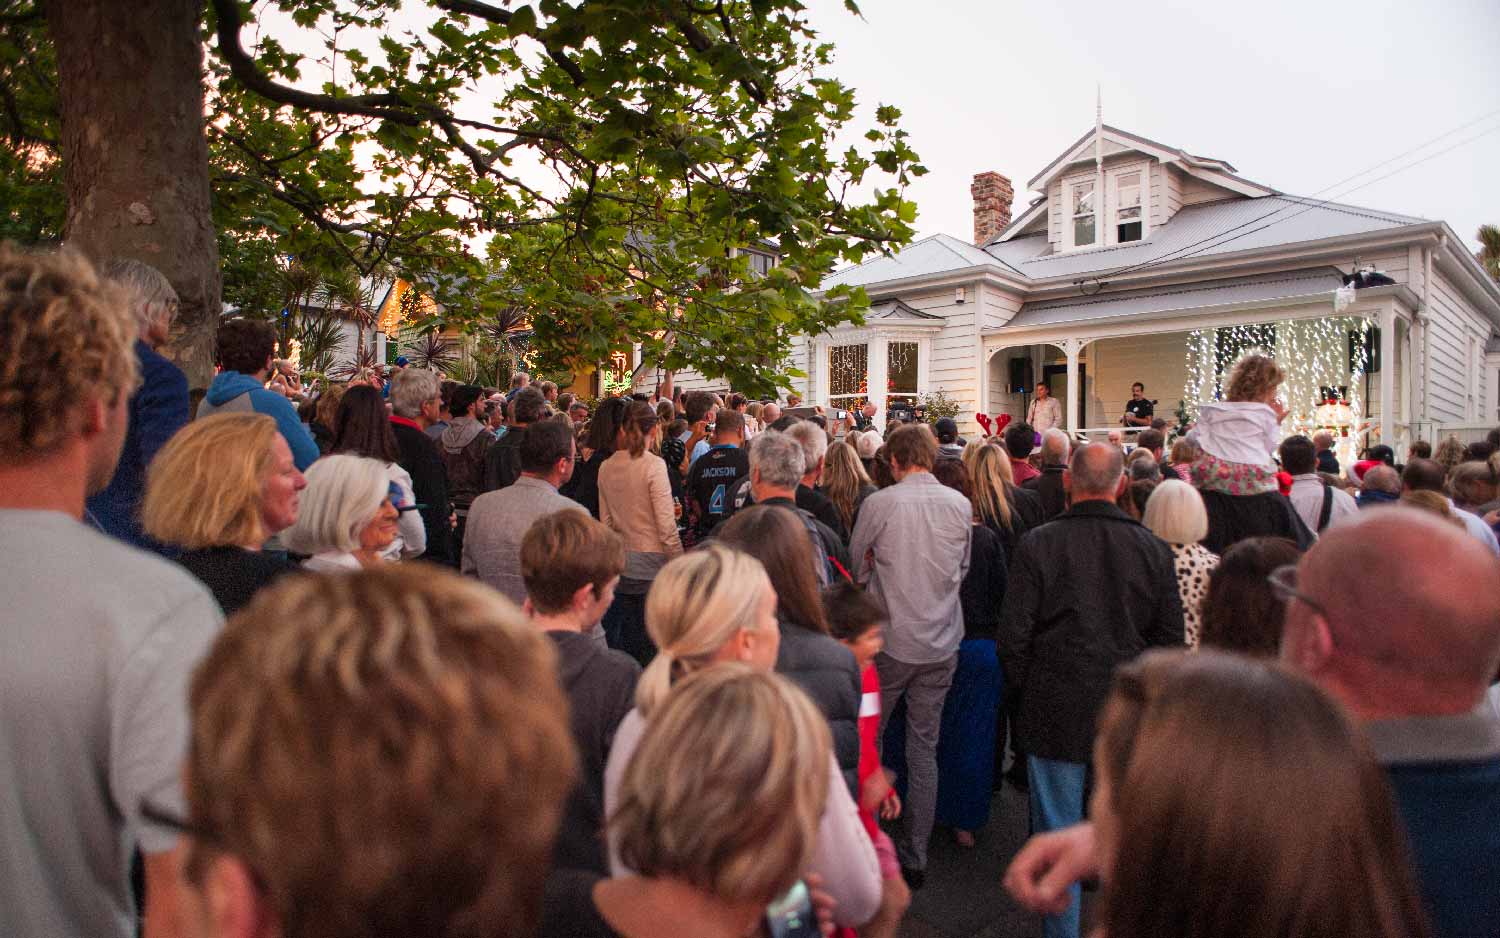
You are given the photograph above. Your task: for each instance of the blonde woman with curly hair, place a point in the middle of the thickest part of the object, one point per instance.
(1449, 453)
(1238, 434)
(218, 490)
(718, 813)
(710, 607)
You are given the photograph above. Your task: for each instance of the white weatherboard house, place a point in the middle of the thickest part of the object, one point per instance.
(1142, 262)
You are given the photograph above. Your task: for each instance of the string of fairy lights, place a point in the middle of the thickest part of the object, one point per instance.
(1315, 353)
(848, 370)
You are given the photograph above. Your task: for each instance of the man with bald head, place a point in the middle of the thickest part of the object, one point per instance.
(1380, 486)
(1411, 657)
(1087, 592)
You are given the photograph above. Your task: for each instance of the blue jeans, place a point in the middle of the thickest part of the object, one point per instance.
(1057, 802)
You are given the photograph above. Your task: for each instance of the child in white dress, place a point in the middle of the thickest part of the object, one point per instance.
(1238, 434)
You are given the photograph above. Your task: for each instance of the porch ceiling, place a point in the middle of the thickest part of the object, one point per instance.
(1256, 289)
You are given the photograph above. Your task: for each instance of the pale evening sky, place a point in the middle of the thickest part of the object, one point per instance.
(1296, 94)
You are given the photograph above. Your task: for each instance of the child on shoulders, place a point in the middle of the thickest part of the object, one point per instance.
(1238, 434)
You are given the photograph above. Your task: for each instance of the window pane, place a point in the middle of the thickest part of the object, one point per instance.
(1129, 231)
(847, 367)
(1083, 198)
(901, 360)
(1130, 190)
(1130, 214)
(1083, 230)
(759, 263)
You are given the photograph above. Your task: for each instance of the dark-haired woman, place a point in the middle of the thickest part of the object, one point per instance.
(819, 664)
(1241, 612)
(597, 445)
(362, 428)
(1233, 799)
(635, 501)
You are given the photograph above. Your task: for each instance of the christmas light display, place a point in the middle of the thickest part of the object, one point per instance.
(1314, 353)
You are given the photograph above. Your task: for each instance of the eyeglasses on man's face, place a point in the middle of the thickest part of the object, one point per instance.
(201, 833)
(1283, 582)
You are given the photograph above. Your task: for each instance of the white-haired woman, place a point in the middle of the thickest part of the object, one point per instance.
(346, 519)
(1175, 514)
(712, 606)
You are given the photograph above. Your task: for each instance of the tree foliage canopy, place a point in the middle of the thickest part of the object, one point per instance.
(614, 157)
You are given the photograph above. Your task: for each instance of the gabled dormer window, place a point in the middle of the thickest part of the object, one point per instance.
(1128, 226)
(1084, 229)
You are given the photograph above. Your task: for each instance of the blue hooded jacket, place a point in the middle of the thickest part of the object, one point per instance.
(158, 409)
(233, 392)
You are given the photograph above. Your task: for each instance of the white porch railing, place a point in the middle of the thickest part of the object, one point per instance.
(1435, 433)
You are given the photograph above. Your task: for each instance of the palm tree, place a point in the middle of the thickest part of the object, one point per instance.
(298, 283)
(508, 329)
(1489, 249)
(431, 351)
(318, 338)
(347, 297)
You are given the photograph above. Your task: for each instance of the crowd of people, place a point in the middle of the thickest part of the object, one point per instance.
(407, 656)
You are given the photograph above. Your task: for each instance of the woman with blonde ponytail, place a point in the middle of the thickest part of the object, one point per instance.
(713, 606)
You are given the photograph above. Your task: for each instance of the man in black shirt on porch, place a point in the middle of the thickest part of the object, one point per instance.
(1138, 410)
(711, 480)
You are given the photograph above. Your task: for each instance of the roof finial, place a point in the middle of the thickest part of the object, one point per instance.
(1099, 131)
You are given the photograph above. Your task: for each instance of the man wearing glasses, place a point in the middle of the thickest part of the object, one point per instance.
(1396, 614)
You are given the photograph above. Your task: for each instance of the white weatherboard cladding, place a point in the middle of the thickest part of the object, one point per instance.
(1157, 361)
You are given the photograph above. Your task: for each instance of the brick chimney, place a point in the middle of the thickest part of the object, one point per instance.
(992, 197)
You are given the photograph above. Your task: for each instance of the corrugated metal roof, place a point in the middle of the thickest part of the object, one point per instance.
(1260, 288)
(1195, 231)
(932, 255)
(1221, 227)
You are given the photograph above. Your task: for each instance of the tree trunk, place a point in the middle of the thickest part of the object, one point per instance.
(135, 158)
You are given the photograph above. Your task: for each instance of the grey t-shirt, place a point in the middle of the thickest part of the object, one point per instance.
(97, 644)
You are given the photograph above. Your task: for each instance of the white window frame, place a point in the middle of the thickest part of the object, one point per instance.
(826, 354)
(1144, 184)
(877, 344)
(1070, 187)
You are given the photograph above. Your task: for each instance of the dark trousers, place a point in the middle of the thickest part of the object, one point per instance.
(625, 627)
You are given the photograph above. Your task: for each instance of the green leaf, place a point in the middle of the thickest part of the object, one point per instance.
(522, 21)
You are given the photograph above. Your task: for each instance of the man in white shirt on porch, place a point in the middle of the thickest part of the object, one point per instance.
(1045, 412)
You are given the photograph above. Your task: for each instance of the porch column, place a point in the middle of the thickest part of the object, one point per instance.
(1387, 320)
(1071, 348)
(876, 377)
(982, 387)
